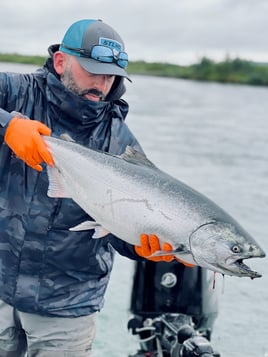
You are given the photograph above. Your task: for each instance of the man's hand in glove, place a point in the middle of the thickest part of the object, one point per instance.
(149, 245)
(23, 136)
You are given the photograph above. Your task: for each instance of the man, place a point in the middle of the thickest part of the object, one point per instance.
(52, 280)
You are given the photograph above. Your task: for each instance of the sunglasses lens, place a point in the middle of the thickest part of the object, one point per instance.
(103, 54)
(122, 60)
(106, 54)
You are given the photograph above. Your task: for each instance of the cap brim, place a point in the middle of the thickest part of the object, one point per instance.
(96, 67)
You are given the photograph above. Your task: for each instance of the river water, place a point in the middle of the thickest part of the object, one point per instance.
(213, 137)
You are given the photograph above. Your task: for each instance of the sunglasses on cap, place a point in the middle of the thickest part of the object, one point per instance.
(103, 54)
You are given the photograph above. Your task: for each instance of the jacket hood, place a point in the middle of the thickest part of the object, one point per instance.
(80, 110)
(68, 112)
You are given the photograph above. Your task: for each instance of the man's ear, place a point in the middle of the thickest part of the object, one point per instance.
(59, 61)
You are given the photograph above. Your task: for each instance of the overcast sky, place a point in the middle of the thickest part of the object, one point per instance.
(177, 31)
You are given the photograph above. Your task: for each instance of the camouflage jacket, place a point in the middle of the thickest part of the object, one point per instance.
(45, 268)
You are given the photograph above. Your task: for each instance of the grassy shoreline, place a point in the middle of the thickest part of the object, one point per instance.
(228, 71)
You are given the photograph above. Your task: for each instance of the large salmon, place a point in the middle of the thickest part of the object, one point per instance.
(127, 195)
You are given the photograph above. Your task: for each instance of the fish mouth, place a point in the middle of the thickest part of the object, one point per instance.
(239, 268)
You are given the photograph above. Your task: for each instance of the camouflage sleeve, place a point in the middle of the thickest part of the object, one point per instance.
(13, 89)
(125, 249)
(5, 117)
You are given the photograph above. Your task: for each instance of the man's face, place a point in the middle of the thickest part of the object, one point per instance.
(94, 87)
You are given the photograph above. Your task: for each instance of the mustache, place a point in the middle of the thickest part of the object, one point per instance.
(92, 91)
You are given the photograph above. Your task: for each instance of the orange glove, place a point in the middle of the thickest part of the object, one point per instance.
(24, 139)
(149, 245)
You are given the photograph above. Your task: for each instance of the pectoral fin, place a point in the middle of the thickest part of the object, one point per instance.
(183, 256)
(100, 232)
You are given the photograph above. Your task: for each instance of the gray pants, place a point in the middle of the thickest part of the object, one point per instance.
(41, 336)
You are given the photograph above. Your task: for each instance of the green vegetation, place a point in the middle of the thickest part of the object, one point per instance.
(228, 71)
(17, 58)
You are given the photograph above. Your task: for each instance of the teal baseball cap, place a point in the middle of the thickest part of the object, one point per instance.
(98, 47)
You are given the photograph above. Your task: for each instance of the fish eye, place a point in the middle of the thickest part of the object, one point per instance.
(236, 249)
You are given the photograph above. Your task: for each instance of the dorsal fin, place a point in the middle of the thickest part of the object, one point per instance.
(67, 137)
(136, 157)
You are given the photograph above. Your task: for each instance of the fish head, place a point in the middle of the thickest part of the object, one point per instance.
(222, 247)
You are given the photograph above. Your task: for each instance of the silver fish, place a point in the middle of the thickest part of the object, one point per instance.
(128, 195)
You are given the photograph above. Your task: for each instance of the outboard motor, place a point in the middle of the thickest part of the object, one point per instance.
(168, 298)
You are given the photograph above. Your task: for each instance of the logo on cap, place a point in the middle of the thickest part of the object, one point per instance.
(115, 45)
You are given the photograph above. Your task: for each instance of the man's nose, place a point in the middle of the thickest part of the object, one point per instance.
(101, 82)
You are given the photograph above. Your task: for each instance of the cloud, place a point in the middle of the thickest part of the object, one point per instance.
(153, 30)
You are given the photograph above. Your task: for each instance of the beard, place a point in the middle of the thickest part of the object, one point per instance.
(69, 82)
